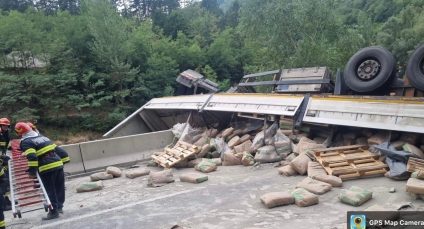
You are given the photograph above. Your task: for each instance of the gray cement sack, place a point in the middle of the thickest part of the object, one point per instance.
(258, 142)
(303, 198)
(329, 179)
(267, 154)
(300, 163)
(243, 147)
(355, 196)
(157, 179)
(115, 171)
(230, 159)
(247, 159)
(100, 176)
(206, 166)
(287, 171)
(415, 186)
(314, 186)
(138, 172)
(305, 145)
(315, 168)
(275, 199)
(194, 178)
(90, 186)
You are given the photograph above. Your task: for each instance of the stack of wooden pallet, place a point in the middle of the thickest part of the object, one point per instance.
(178, 153)
(415, 164)
(350, 162)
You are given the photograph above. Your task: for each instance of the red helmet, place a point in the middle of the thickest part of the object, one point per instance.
(4, 121)
(22, 128)
(30, 124)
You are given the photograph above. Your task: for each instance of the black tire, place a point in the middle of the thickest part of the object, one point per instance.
(370, 69)
(415, 68)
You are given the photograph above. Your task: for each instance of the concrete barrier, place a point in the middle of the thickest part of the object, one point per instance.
(87, 156)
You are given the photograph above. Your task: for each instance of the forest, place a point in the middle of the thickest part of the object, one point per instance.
(76, 66)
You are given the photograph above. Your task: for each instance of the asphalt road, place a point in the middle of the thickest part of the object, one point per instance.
(229, 199)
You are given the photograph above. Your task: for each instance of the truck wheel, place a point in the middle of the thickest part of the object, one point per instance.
(370, 69)
(415, 68)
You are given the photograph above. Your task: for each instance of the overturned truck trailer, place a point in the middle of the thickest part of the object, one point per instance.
(304, 96)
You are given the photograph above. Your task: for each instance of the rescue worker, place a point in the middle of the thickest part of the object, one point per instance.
(40, 152)
(4, 143)
(2, 176)
(4, 135)
(65, 159)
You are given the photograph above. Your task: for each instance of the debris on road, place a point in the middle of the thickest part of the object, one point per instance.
(90, 186)
(355, 196)
(161, 178)
(101, 176)
(303, 198)
(194, 178)
(275, 199)
(138, 172)
(115, 171)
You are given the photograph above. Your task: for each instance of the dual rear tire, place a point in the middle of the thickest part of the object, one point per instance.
(373, 69)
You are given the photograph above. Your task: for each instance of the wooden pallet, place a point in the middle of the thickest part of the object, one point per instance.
(350, 162)
(172, 156)
(415, 164)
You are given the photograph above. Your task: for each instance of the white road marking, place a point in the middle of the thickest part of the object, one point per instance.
(78, 218)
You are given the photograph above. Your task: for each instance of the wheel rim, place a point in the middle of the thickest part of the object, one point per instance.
(368, 69)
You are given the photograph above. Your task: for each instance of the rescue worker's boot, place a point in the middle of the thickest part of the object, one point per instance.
(51, 215)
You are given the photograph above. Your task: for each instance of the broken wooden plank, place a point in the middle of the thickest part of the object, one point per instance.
(415, 164)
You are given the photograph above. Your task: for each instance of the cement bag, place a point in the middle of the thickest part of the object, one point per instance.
(115, 171)
(212, 133)
(243, 147)
(138, 172)
(194, 162)
(258, 142)
(227, 132)
(282, 143)
(287, 171)
(415, 186)
(247, 159)
(178, 129)
(230, 159)
(157, 179)
(300, 164)
(90, 186)
(418, 174)
(267, 154)
(204, 139)
(194, 178)
(221, 146)
(269, 134)
(245, 137)
(315, 168)
(314, 186)
(329, 179)
(303, 198)
(414, 150)
(355, 196)
(206, 166)
(100, 176)
(275, 199)
(305, 144)
(234, 141)
(206, 148)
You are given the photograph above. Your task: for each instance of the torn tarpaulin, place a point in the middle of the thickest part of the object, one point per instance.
(396, 160)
